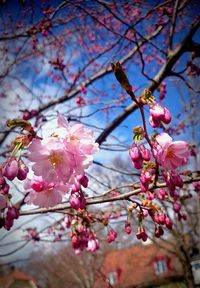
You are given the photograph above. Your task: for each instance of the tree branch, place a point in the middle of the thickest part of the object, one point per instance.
(101, 199)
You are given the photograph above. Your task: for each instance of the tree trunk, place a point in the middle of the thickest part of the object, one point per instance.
(189, 276)
(187, 270)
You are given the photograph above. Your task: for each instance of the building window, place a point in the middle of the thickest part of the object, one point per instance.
(160, 267)
(112, 278)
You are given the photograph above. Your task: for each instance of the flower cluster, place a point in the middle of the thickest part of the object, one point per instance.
(59, 164)
(82, 238)
(159, 162)
(10, 170)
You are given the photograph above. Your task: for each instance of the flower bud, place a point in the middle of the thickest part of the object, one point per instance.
(168, 223)
(10, 169)
(134, 153)
(158, 231)
(22, 171)
(162, 194)
(26, 115)
(153, 122)
(8, 223)
(12, 213)
(176, 207)
(5, 188)
(138, 164)
(93, 244)
(167, 116)
(83, 180)
(141, 234)
(77, 201)
(158, 114)
(111, 236)
(128, 227)
(76, 187)
(145, 153)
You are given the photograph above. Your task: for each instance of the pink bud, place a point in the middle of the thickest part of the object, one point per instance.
(168, 223)
(144, 187)
(12, 213)
(134, 153)
(158, 231)
(26, 115)
(144, 236)
(34, 113)
(111, 236)
(145, 153)
(167, 116)
(162, 193)
(5, 188)
(193, 152)
(77, 201)
(161, 218)
(177, 181)
(138, 164)
(157, 112)
(23, 170)
(8, 223)
(74, 240)
(150, 196)
(141, 234)
(76, 187)
(153, 122)
(196, 186)
(128, 227)
(10, 169)
(93, 244)
(176, 207)
(83, 180)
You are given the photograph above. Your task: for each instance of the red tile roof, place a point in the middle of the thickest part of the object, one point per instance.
(15, 275)
(136, 265)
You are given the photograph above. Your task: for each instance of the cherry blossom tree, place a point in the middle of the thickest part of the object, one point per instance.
(80, 82)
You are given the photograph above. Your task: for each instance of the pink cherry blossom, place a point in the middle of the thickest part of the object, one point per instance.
(44, 194)
(63, 155)
(51, 160)
(80, 140)
(170, 155)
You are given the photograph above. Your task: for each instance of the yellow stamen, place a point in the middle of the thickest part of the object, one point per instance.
(55, 159)
(74, 138)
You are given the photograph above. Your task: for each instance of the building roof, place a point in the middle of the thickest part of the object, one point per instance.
(17, 275)
(135, 266)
